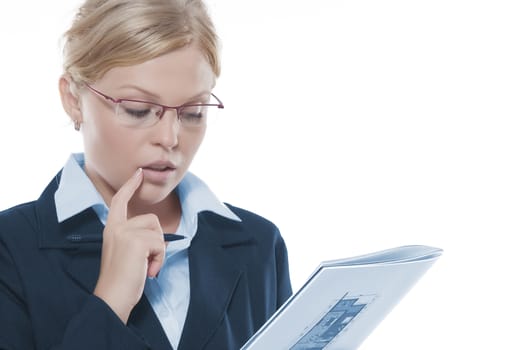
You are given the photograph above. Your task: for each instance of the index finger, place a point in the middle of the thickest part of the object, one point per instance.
(119, 203)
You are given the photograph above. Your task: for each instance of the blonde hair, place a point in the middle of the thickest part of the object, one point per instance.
(112, 33)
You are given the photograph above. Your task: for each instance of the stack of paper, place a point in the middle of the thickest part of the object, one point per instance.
(344, 300)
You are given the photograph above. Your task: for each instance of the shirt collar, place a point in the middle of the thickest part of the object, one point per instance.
(195, 197)
(76, 193)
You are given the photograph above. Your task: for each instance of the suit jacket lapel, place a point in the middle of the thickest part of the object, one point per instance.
(84, 264)
(145, 322)
(214, 274)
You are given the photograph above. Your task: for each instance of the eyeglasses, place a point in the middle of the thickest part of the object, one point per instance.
(143, 114)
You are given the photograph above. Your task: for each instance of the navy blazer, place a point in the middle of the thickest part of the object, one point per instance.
(238, 278)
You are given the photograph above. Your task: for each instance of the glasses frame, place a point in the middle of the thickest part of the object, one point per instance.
(164, 108)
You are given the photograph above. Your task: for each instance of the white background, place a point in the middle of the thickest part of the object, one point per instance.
(355, 126)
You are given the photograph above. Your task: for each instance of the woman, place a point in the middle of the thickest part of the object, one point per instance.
(125, 249)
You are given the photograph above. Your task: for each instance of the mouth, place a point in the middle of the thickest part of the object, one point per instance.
(159, 172)
(160, 166)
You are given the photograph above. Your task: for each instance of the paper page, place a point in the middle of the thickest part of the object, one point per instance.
(339, 307)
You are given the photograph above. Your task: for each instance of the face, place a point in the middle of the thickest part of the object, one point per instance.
(165, 150)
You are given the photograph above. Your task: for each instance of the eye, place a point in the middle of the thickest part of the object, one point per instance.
(190, 116)
(137, 113)
(193, 115)
(137, 110)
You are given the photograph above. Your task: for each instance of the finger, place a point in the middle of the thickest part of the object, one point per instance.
(146, 221)
(119, 203)
(156, 259)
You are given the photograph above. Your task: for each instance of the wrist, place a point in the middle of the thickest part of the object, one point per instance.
(118, 305)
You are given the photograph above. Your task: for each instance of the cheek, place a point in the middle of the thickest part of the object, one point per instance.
(101, 132)
(107, 146)
(190, 143)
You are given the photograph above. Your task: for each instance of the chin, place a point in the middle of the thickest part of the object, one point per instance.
(152, 194)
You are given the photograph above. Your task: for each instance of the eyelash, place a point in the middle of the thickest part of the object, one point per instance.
(194, 115)
(137, 113)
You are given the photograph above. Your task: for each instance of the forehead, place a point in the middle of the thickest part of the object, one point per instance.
(183, 72)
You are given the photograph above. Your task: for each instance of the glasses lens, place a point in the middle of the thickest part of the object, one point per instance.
(194, 116)
(138, 114)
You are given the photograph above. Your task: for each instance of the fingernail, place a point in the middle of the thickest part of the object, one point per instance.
(139, 170)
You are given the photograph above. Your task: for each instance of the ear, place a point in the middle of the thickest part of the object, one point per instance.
(70, 99)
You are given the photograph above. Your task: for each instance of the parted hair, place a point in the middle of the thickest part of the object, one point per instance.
(112, 33)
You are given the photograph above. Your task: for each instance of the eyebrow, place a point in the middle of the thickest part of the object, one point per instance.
(155, 96)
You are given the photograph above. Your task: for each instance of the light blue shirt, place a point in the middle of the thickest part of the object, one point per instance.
(169, 293)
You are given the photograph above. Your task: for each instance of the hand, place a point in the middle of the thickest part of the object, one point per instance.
(132, 249)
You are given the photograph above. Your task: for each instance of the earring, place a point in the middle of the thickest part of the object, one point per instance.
(77, 125)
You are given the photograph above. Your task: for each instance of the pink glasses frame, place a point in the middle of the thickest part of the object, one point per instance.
(163, 107)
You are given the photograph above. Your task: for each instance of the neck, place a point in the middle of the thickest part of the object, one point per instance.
(168, 211)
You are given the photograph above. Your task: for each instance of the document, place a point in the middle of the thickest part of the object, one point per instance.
(344, 300)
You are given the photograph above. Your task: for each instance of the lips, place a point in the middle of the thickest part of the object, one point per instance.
(160, 166)
(159, 172)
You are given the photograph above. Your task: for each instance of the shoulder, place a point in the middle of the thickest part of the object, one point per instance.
(255, 222)
(251, 218)
(18, 238)
(27, 217)
(261, 229)
(18, 221)
(17, 215)
(251, 227)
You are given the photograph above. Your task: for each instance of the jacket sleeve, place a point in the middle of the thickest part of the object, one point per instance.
(95, 326)
(284, 288)
(15, 326)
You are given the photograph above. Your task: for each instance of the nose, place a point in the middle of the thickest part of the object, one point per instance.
(166, 131)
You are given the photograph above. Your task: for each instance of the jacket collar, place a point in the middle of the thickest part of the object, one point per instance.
(214, 273)
(51, 234)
